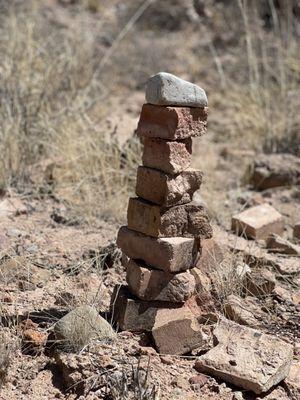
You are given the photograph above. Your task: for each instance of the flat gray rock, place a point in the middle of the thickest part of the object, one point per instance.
(164, 89)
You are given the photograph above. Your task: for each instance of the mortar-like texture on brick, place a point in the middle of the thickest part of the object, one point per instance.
(187, 220)
(167, 156)
(168, 254)
(150, 284)
(172, 123)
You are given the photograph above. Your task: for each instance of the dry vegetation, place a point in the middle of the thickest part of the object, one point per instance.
(59, 82)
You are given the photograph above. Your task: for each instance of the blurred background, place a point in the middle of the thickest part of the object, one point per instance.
(73, 74)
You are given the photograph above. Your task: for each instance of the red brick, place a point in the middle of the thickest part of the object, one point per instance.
(167, 190)
(170, 157)
(168, 254)
(151, 284)
(187, 220)
(172, 123)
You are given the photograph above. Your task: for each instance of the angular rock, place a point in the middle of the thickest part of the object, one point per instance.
(292, 381)
(172, 123)
(12, 207)
(167, 156)
(277, 244)
(211, 255)
(260, 282)
(187, 220)
(80, 326)
(172, 254)
(274, 170)
(167, 190)
(296, 230)
(247, 357)
(177, 331)
(243, 311)
(151, 284)
(132, 314)
(165, 89)
(258, 222)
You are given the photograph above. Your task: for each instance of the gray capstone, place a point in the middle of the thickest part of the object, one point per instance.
(165, 89)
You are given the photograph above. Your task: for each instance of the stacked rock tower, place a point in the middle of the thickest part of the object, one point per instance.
(162, 239)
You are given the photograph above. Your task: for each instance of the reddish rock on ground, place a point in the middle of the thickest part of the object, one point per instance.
(177, 331)
(258, 222)
(247, 357)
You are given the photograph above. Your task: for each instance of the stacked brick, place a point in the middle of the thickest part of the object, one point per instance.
(162, 239)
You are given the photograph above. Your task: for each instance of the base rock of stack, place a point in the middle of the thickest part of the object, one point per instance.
(188, 220)
(167, 190)
(172, 123)
(151, 284)
(132, 314)
(177, 331)
(168, 156)
(173, 254)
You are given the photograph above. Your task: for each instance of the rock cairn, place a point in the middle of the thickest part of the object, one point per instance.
(162, 239)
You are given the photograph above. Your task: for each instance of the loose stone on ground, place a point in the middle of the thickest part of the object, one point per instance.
(247, 357)
(258, 222)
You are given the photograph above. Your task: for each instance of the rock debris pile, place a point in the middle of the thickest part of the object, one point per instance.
(162, 239)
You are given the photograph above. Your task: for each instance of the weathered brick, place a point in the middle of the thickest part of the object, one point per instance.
(258, 222)
(167, 190)
(170, 157)
(172, 254)
(172, 123)
(152, 284)
(132, 314)
(187, 220)
(177, 331)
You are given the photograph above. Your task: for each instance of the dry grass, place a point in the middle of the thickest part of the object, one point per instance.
(261, 94)
(58, 83)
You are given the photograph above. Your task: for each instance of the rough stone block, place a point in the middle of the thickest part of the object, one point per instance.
(247, 357)
(187, 220)
(167, 190)
(132, 314)
(165, 89)
(258, 222)
(170, 157)
(177, 331)
(168, 254)
(152, 284)
(172, 123)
